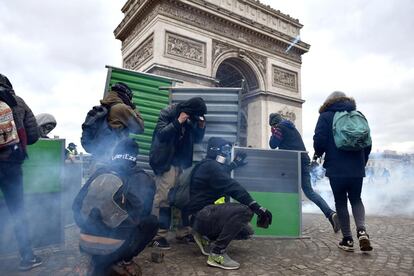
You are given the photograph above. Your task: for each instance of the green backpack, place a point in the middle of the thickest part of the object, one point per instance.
(351, 131)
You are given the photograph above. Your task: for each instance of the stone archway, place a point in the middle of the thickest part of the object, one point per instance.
(235, 72)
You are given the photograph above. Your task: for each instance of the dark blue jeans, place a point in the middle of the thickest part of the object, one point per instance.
(345, 188)
(310, 193)
(11, 185)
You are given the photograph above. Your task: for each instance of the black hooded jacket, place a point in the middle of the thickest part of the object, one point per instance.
(172, 142)
(338, 163)
(211, 181)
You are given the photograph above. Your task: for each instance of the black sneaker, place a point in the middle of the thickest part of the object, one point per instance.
(364, 242)
(333, 219)
(161, 243)
(347, 244)
(29, 263)
(186, 239)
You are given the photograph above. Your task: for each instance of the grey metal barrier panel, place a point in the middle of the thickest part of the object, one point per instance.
(222, 118)
(276, 171)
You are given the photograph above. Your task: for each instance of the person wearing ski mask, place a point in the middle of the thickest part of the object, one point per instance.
(46, 123)
(179, 127)
(220, 223)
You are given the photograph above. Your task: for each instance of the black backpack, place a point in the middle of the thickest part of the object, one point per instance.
(96, 131)
(179, 195)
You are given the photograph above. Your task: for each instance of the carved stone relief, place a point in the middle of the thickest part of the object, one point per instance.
(230, 30)
(140, 25)
(285, 78)
(185, 49)
(141, 54)
(220, 48)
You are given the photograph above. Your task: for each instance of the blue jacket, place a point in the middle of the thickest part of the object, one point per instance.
(338, 163)
(287, 137)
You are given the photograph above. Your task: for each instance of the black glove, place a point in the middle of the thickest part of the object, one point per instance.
(239, 160)
(264, 216)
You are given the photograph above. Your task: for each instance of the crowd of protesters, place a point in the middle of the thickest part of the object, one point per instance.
(121, 209)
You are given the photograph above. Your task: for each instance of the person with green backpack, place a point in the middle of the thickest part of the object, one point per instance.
(343, 135)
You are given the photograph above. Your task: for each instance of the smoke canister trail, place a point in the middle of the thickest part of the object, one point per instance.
(296, 40)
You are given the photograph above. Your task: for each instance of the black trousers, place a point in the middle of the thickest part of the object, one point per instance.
(11, 185)
(345, 188)
(134, 244)
(222, 223)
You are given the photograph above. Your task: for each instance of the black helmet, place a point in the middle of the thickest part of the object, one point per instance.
(218, 146)
(123, 88)
(72, 145)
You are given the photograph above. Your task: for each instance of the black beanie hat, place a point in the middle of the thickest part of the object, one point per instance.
(194, 106)
(275, 118)
(214, 144)
(126, 152)
(122, 88)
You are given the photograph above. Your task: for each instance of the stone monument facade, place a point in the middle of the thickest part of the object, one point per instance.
(207, 43)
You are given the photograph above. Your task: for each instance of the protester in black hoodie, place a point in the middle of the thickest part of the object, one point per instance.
(221, 223)
(11, 175)
(115, 217)
(345, 170)
(179, 127)
(285, 136)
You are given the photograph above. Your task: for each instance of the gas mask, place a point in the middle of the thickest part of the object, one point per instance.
(223, 154)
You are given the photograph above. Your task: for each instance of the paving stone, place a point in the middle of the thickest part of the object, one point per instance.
(393, 254)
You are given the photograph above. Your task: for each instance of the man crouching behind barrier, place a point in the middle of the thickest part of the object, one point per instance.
(113, 212)
(220, 223)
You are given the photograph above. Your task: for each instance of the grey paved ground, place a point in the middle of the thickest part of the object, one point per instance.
(392, 238)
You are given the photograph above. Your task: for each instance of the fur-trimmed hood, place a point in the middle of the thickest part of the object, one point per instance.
(338, 104)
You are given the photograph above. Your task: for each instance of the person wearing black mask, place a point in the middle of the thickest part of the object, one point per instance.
(179, 127)
(113, 211)
(220, 223)
(12, 156)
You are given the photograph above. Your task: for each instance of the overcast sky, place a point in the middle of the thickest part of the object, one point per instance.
(55, 52)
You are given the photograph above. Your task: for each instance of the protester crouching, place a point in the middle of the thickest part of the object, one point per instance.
(220, 223)
(113, 211)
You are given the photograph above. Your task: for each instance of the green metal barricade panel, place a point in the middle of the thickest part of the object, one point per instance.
(285, 210)
(42, 172)
(273, 178)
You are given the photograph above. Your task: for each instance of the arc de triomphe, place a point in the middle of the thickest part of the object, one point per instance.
(227, 43)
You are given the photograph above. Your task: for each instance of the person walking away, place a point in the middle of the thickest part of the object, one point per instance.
(285, 136)
(113, 211)
(344, 168)
(220, 223)
(18, 129)
(179, 127)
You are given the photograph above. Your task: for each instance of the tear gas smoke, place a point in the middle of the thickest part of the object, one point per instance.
(297, 39)
(383, 194)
